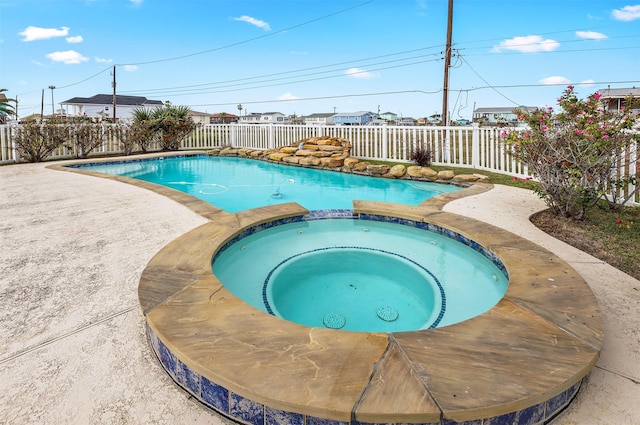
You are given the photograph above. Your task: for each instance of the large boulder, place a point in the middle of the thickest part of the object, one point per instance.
(350, 162)
(466, 178)
(446, 175)
(414, 171)
(309, 160)
(361, 166)
(378, 169)
(398, 171)
(429, 173)
(278, 156)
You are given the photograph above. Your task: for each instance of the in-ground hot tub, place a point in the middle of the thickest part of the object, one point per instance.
(521, 361)
(361, 273)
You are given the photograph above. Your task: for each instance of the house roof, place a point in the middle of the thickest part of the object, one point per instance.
(619, 93)
(503, 109)
(226, 115)
(353, 114)
(320, 115)
(107, 99)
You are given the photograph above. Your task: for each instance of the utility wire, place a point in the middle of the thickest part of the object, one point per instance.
(486, 82)
(254, 38)
(288, 80)
(426, 92)
(355, 62)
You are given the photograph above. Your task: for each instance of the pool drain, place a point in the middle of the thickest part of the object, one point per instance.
(386, 313)
(334, 321)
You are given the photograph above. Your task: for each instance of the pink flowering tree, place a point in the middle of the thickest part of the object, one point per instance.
(574, 152)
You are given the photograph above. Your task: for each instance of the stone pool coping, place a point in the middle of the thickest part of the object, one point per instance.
(526, 357)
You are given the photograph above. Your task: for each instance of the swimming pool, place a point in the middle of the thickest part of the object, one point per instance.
(236, 184)
(358, 274)
(522, 361)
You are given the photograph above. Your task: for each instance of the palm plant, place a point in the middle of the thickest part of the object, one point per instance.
(5, 105)
(142, 131)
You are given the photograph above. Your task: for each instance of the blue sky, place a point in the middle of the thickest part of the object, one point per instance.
(302, 56)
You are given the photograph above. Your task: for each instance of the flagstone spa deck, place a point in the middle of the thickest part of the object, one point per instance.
(521, 362)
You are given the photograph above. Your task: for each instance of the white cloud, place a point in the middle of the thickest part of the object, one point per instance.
(627, 13)
(587, 83)
(136, 2)
(36, 33)
(288, 96)
(75, 39)
(527, 44)
(253, 21)
(102, 60)
(359, 73)
(591, 35)
(69, 57)
(130, 68)
(556, 79)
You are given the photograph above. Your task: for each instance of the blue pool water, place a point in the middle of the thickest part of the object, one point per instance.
(360, 275)
(236, 184)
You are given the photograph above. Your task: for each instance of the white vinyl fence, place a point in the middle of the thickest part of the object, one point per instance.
(470, 146)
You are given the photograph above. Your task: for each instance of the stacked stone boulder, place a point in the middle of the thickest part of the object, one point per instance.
(333, 153)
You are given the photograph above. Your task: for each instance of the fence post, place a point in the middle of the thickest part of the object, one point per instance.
(271, 142)
(105, 137)
(14, 148)
(233, 134)
(475, 145)
(447, 145)
(385, 142)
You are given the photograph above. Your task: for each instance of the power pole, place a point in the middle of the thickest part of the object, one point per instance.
(447, 64)
(114, 94)
(42, 107)
(53, 111)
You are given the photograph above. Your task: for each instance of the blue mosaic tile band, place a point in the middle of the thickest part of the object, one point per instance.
(133, 160)
(247, 411)
(350, 214)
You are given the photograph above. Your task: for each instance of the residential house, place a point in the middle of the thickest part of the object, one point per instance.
(354, 118)
(499, 116)
(223, 118)
(101, 106)
(200, 117)
(390, 117)
(265, 118)
(614, 99)
(405, 121)
(319, 119)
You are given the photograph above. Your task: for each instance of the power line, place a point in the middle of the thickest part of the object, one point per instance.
(254, 38)
(426, 92)
(222, 47)
(288, 80)
(352, 62)
(486, 82)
